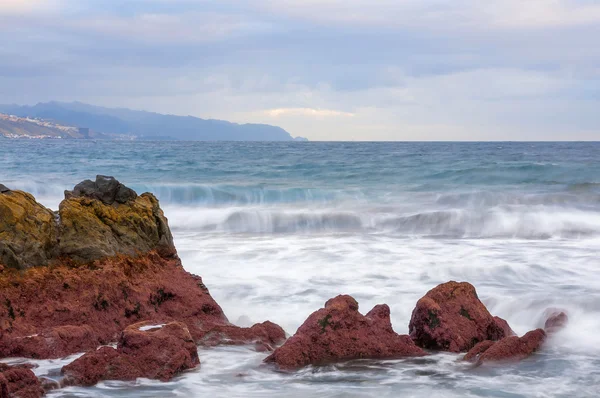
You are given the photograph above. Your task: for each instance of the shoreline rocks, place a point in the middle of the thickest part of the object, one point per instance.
(75, 281)
(509, 349)
(144, 350)
(19, 382)
(450, 317)
(339, 332)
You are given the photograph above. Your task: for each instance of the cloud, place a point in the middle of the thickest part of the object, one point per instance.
(308, 112)
(20, 7)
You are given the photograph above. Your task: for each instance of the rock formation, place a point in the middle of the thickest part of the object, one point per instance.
(508, 349)
(339, 332)
(19, 382)
(450, 317)
(144, 350)
(556, 320)
(74, 280)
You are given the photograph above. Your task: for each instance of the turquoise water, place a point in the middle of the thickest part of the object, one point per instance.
(276, 229)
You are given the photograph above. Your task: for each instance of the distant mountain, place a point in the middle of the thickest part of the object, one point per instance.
(146, 125)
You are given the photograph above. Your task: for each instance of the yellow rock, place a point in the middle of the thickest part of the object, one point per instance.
(27, 231)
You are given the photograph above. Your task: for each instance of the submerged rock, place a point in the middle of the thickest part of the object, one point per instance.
(144, 350)
(556, 320)
(19, 382)
(451, 317)
(512, 348)
(339, 332)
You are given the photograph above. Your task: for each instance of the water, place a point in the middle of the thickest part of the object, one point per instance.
(276, 229)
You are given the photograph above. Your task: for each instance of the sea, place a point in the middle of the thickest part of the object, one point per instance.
(276, 229)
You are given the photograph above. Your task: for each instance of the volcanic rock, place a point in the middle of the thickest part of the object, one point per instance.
(556, 320)
(508, 349)
(450, 317)
(144, 350)
(504, 326)
(27, 231)
(339, 332)
(108, 266)
(19, 382)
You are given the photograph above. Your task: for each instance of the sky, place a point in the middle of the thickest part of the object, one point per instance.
(325, 70)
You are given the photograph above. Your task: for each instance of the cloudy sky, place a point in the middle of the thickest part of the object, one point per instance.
(323, 69)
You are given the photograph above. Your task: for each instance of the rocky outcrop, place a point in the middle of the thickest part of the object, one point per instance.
(19, 382)
(144, 350)
(104, 218)
(556, 320)
(450, 317)
(109, 262)
(339, 332)
(502, 324)
(508, 349)
(27, 231)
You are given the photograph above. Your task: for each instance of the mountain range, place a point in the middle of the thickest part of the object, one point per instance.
(114, 122)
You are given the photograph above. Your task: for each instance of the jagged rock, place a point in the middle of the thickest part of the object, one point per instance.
(504, 326)
(555, 320)
(106, 189)
(94, 225)
(450, 317)
(512, 348)
(19, 382)
(144, 350)
(339, 332)
(27, 231)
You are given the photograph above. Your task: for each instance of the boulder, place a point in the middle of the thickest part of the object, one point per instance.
(512, 348)
(19, 382)
(144, 350)
(27, 231)
(4, 188)
(264, 335)
(450, 317)
(105, 218)
(555, 320)
(105, 189)
(339, 332)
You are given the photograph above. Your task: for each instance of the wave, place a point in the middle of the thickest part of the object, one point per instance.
(522, 222)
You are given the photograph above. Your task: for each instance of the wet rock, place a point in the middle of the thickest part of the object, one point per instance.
(511, 348)
(339, 332)
(450, 317)
(266, 334)
(476, 351)
(110, 266)
(27, 231)
(55, 342)
(19, 382)
(144, 350)
(504, 326)
(555, 320)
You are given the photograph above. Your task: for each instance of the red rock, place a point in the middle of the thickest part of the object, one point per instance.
(19, 382)
(512, 348)
(266, 334)
(339, 332)
(555, 321)
(476, 351)
(151, 351)
(451, 317)
(72, 308)
(504, 326)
